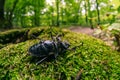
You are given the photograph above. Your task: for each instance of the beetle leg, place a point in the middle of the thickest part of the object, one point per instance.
(56, 50)
(55, 55)
(41, 60)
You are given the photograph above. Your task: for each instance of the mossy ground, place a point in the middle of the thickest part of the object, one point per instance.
(97, 60)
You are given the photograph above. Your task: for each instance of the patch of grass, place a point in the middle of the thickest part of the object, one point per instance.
(94, 57)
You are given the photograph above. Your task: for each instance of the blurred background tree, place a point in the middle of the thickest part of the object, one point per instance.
(30, 13)
(2, 18)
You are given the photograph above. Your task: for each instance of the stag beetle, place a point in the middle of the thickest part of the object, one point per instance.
(46, 48)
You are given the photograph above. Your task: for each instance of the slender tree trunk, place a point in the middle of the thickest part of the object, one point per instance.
(52, 16)
(39, 12)
(79, 9)
(11, 14)
(22, 18)
(86, 15)
(57, 5)
(62, 15)
(36, 23)
(98, 12)
(90, 15)
(2, 19)
(36, 10)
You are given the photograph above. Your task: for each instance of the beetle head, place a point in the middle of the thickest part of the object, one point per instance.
(65, 45)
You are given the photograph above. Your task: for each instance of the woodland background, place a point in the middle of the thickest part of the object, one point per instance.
(30, 13)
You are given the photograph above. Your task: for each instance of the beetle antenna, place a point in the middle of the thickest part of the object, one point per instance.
(35, 37)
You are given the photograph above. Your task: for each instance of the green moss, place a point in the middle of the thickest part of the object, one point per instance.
(20, 35)
(11, 35)
(1, 46)
(96, 59)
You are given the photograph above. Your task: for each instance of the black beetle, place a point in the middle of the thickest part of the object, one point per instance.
(46, 48)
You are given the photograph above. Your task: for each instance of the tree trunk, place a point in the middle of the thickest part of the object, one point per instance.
(62, 16)
(79, 9)
(57, 5)
(11, 19)
(90, 15)
(37, 12)
(2, 19)
(52, 17)
(9, 16)
(98, 12)
(86, 15)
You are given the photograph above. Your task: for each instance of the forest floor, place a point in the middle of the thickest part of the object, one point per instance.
(85, 30)
(91, 32)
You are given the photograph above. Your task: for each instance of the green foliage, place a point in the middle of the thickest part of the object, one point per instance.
(114, 26)
(97, 60)
(115, 30)
(110, 32)
(31, 13)
(118, 9)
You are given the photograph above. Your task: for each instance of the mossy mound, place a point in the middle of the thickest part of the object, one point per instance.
(19, 35)
(94, 58)
(1, 46)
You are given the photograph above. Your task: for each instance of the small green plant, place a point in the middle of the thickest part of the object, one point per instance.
(115, 31)
(109, 33)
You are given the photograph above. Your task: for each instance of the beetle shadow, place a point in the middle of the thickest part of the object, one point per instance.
(50, 58)
(34, 59)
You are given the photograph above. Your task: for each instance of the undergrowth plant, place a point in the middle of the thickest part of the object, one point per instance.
(109, 33)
